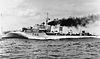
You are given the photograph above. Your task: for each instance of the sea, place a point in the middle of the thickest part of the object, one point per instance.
(15, 48)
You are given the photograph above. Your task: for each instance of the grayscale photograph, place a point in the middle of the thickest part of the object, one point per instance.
(49, 29)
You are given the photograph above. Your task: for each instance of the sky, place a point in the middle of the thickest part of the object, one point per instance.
(15, 14)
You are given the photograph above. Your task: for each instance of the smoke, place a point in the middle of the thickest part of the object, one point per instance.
(76, 21)
(54, 22)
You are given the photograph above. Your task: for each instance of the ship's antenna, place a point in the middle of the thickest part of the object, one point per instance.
(47, 14)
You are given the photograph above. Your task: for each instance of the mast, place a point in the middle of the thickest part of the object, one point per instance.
(47, 19)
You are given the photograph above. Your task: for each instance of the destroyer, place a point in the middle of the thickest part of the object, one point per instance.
(45, 31)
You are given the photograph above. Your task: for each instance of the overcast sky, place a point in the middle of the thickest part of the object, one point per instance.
(19, 13)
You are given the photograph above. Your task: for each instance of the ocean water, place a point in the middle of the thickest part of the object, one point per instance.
(50, 49)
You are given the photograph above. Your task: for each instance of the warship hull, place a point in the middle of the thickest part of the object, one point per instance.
(43, 36)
